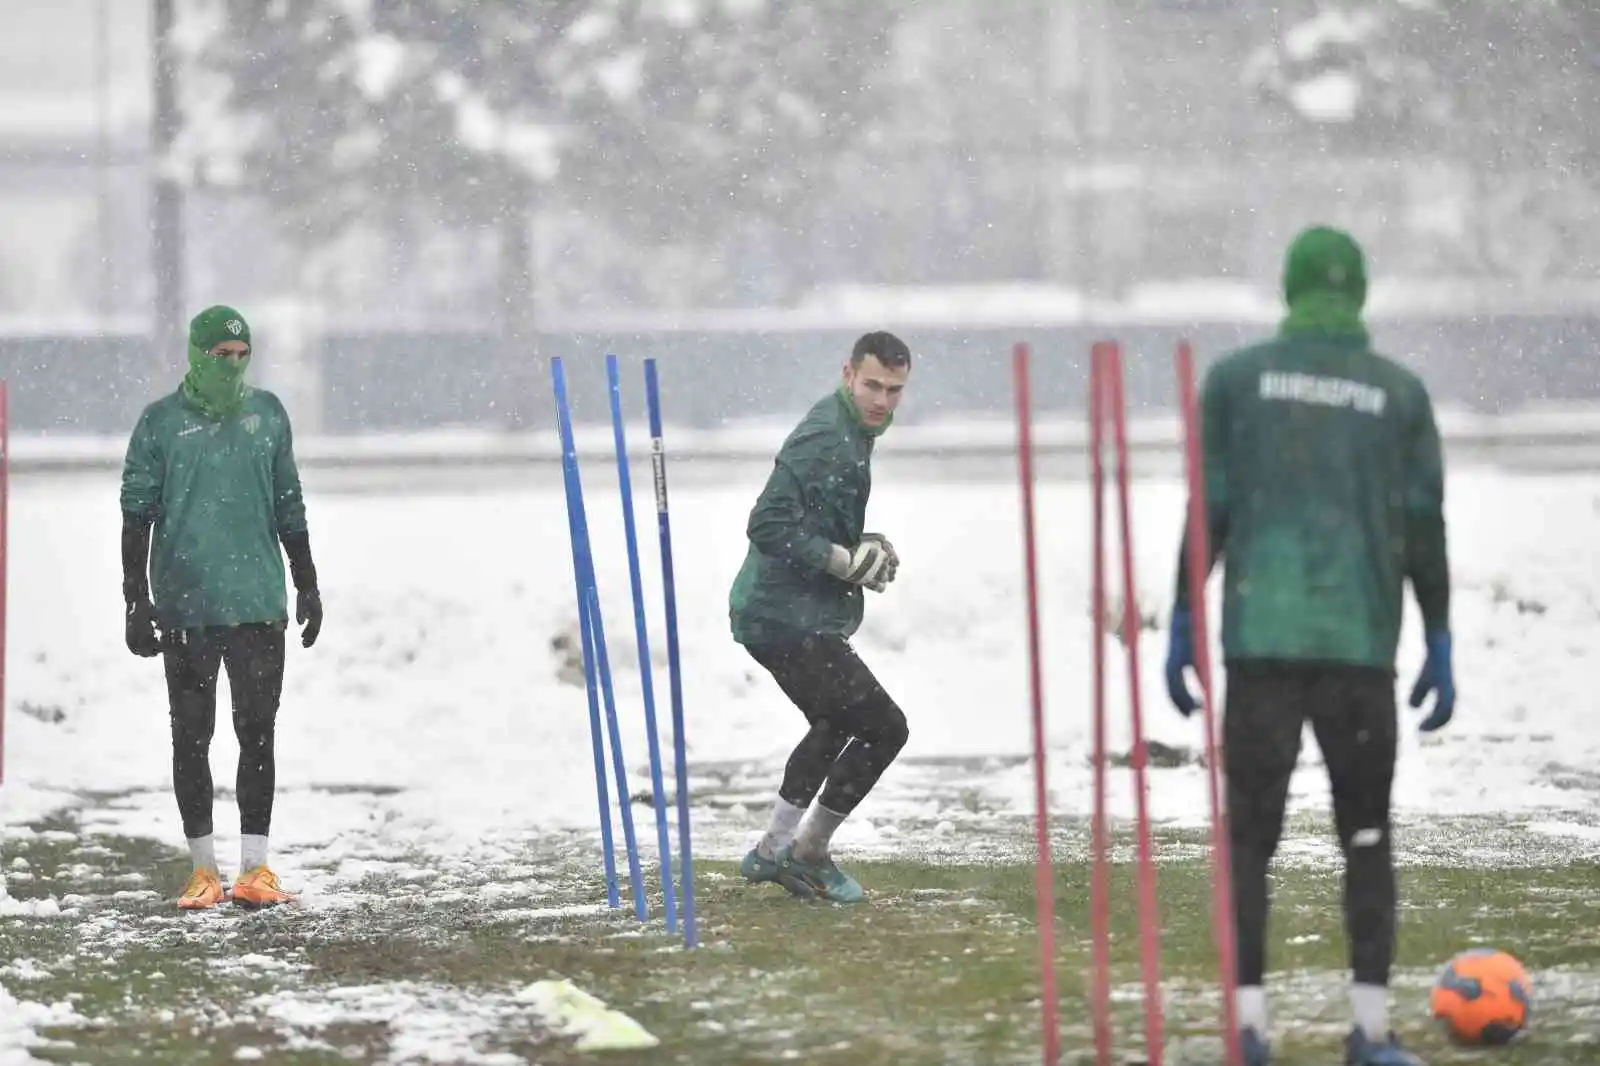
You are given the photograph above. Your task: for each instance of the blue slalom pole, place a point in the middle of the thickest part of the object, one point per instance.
(658, 463)
(617, 763)
(646, 680)
(590, 620)
(569, 472)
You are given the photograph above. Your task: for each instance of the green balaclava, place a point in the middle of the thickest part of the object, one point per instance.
(216, 386)
(1325, 283)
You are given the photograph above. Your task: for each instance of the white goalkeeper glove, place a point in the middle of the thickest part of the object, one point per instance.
(893, 566)
(871, 565)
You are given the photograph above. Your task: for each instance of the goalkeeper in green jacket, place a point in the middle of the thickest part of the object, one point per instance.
(799, 598)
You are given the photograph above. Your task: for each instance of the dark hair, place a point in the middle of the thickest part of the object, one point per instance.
(890, 350)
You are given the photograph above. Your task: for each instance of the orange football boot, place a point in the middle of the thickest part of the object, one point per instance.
(203, 891)
(259, 888)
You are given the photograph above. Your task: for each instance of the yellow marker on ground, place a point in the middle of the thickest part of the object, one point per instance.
(571, 1011)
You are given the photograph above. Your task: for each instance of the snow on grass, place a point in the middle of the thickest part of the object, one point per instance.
(10, 907)
(431, 717)
(430, 736)
(425, 1024)
(20, 1021)
(24, 970)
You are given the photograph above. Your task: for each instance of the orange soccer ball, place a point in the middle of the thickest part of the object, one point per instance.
(1483, 997)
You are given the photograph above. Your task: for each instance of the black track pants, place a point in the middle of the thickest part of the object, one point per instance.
(856, 728)
(1352, 715)
(254, 656)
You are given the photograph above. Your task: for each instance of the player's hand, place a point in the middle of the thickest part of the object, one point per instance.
(1438, 676)
(1180, 656)
(865, 566)
(891, 568)
(308, 612)
(139, 629)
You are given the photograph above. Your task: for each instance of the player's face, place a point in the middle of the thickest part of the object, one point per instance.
(875, 388)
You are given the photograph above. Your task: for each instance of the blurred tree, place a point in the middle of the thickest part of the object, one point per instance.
(1354, 68)
(1504, 88)
(659, 118)
(1411, 67)
(732, 108)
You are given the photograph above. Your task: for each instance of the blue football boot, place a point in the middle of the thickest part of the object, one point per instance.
(817, 880)
(757, 868)
(1253, 1049)
(1361, 1050)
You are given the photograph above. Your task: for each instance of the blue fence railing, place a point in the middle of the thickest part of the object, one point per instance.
(418, 380)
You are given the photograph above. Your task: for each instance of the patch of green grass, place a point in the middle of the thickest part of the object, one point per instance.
(939, 966)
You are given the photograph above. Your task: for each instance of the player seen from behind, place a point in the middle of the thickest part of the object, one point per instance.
(209, 490)
(797, 600)
(1325, 491)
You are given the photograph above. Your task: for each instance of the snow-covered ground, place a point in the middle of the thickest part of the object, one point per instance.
(436, 718)
(436, 674)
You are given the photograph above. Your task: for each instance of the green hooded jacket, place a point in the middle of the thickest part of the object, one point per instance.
(221, 491)
(1324, 479)
(815, 497)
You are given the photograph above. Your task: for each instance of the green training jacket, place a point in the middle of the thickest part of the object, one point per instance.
(220, 494)
(1325, 487)
(815, 497)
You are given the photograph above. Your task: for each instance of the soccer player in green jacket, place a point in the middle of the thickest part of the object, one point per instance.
(1325, 494)
(209, 491)
(798, 599)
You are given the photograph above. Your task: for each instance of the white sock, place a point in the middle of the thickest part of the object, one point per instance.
(780, 830)
(1250, 1006)
(252, 852)
(203, 850)
(1369, 1004)
(811, 843)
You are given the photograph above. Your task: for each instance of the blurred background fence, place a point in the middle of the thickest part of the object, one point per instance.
(720, 373)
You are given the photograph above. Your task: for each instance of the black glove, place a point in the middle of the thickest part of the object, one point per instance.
(307, 600)
(140, 629)
(139, 619)
(308, 611)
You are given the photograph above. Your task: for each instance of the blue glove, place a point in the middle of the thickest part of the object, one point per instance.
(1180, 655)
(1438, 676)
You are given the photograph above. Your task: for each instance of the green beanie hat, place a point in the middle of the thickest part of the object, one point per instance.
(217, 324)
(1326, 261)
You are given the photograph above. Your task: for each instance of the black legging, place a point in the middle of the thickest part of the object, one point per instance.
(253, 655)
(856, 728)
(1352, 716)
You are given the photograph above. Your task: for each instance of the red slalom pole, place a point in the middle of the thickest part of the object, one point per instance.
(1149, 917)
(1199, 552)
(1099, 885)
(1044, 869)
